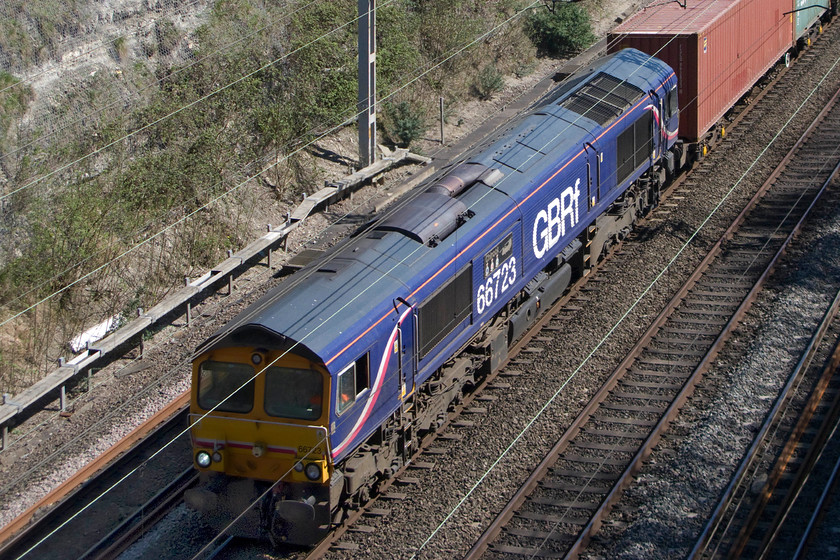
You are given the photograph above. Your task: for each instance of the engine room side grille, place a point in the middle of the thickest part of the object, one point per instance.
(602, 99)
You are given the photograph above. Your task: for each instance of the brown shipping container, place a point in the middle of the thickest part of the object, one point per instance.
(718, 48)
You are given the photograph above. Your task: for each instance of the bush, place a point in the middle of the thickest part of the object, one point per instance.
(488, 81)
(560, 29)
(14, 101)
(403, 123)
(121, 48)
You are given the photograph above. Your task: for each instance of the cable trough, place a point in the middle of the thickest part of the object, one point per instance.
(565, 500)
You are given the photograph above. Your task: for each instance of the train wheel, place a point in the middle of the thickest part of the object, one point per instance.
(787, 59)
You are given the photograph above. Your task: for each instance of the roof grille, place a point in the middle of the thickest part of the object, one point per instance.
(602, 99)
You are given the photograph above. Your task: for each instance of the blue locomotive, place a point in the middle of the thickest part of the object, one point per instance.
(311, 396)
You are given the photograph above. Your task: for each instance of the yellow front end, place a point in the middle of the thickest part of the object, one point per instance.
(260, 449)
(258, 426)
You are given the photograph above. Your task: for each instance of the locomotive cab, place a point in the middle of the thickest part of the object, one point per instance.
(245, 402)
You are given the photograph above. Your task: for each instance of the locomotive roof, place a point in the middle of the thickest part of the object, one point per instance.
(324, 307)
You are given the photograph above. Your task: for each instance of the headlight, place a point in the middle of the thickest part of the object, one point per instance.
(313, 471)
(298, 466)
(202, 458)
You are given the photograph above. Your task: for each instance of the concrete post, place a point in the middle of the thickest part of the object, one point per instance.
(367, 82)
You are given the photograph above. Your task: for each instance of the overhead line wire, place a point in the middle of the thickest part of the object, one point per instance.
(181, 69)
(533, 420)
(325, 321)
(267, 364)
(182, 108)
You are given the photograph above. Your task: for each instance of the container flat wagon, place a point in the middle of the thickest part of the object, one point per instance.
(807, 18)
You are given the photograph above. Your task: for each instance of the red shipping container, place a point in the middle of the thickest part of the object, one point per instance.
(718, 49)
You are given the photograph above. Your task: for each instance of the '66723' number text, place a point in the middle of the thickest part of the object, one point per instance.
(496, 284)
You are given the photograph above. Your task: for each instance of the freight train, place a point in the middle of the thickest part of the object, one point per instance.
(323, 388)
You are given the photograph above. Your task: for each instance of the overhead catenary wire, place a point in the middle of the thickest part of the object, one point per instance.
(166, 445)
(167, 376)
(313, 331)
(153, 220)
(184, 107)
(148, 239)
(345, 117)
(454, 54)
(277, 162)
(348, 112)
(306, 336)
(213, 200)
(603, 340)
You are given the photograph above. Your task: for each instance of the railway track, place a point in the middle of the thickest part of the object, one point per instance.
(427, 459)
(761, 512)
(565, 500)
(815, 541)
(88, 522)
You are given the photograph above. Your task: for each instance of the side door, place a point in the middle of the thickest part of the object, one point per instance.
(403, 347)
(594, 159)
(658, 133)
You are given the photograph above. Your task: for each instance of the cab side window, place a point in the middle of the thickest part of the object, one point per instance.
(671, 101)
(351, 381)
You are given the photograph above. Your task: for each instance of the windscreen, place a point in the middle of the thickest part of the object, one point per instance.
(293, 393)
(219, 380)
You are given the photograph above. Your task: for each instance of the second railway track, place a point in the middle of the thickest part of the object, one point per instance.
(567, 497)
(524, 363)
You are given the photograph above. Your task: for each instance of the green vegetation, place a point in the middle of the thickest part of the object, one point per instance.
(121, 48)
(14, 100)
(561, 29)
(241, 93)
(31, 30)
(489, 81)
(403, 123)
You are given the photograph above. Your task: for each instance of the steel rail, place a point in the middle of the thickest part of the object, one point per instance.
(60, 492)
(593, 525)
(819, 509)
(753, 453)
(60, 497)
(710, 527)
(826, 423)
(135, 525)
